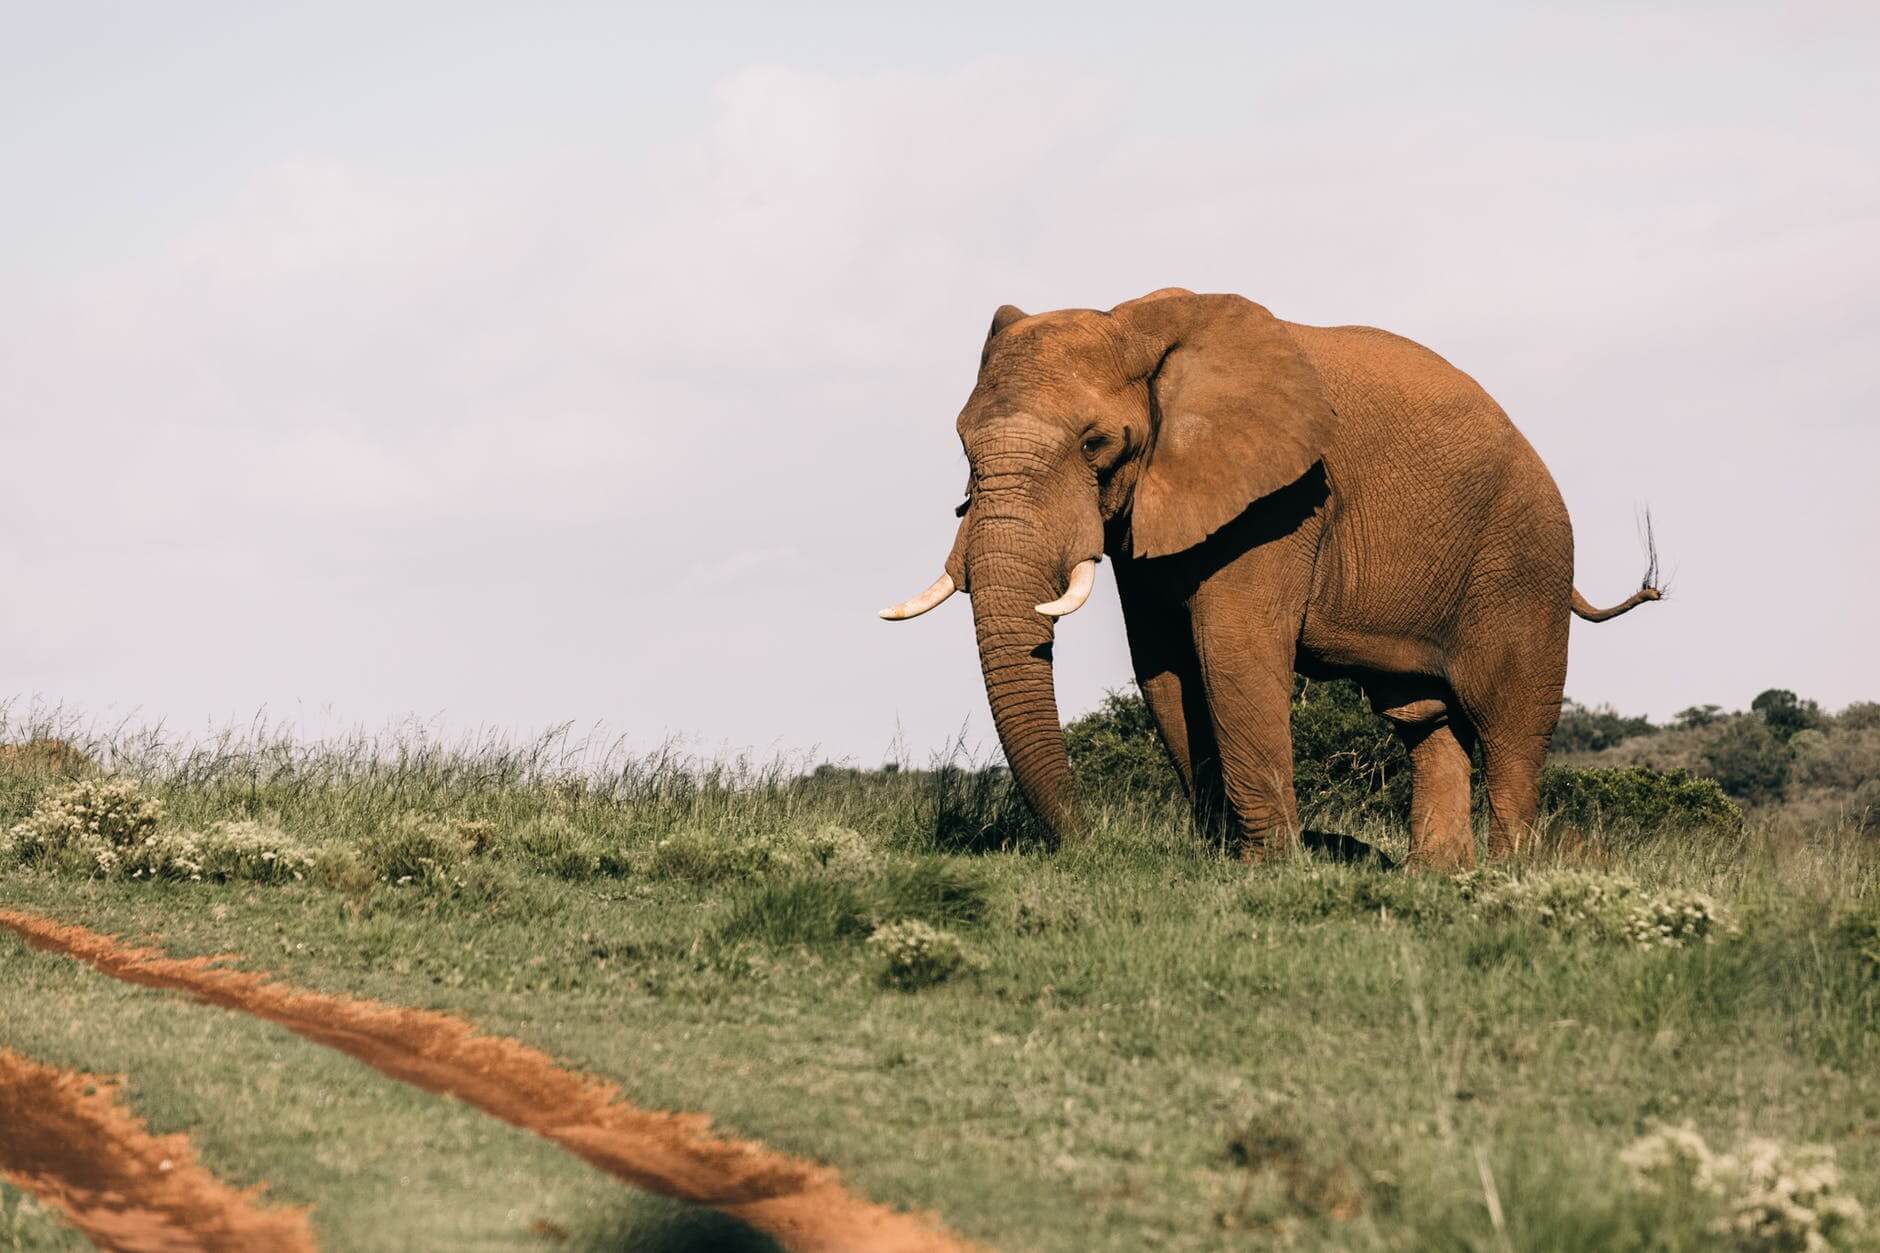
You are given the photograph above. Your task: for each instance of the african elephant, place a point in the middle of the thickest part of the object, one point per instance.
(1276, 498)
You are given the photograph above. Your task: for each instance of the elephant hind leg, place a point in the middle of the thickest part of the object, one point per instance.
(1514, 705)
(1511, 775)
(1440, 835)
(1439, 740)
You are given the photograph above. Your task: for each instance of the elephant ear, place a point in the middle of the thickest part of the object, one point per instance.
(1239, 413)
(1002, 317)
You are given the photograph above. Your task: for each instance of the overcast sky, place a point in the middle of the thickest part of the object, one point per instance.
(504, 365)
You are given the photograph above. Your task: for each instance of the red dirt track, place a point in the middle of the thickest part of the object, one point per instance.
(69, 1141)
(799, 1203)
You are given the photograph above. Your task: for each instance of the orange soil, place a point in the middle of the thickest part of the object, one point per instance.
(69, 1141)
(801, 1204)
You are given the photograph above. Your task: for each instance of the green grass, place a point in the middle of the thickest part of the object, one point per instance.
(26, 1224)
(1153, 1046)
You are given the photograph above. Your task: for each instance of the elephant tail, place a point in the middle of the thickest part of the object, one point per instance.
(1651, 587)
(1585, 609)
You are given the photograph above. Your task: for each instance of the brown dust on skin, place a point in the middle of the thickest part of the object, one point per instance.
(72, 1143)
(800, 1204)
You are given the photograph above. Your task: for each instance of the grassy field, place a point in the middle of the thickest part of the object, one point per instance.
(1132, 1043)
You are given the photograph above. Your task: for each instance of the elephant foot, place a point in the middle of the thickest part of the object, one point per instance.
(1259, 847)
(1447, 857)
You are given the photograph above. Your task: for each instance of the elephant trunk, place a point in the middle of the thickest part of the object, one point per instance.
(1010, 579)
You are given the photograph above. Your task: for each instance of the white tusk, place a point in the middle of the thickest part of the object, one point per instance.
(1083, 578)
(941, 589)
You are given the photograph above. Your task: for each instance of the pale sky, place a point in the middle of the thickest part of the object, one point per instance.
(506, 365)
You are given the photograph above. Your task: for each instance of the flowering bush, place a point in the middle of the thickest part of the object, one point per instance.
(832, 850)
(1767, 1195)
(1604, 906)
(1568, 901)
(246, 850)
(1677, 917)
(83, 818)
(916, 955)
(111, 829)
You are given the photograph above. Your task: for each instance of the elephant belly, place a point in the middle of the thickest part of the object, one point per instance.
(1429, 487)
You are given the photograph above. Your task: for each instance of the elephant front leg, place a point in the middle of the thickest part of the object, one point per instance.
(1162, 654)
(1179, 708)
(1249, 690)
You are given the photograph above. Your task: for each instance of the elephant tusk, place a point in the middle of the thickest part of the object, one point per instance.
(1083, 578)
(942, 588)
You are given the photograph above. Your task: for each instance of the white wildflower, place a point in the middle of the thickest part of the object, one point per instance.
(1676, 917)
(917, 955)
(1768, 1195)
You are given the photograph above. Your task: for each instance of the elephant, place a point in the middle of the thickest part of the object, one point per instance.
(1276, 498)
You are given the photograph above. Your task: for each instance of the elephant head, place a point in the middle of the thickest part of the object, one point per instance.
(1161, 420)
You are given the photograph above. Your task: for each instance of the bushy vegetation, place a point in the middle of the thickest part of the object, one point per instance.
(1347, 762)
(1590, 730)
(1783, 757)
(1620, 774)
(1635, 800)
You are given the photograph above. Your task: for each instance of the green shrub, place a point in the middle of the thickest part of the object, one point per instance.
(829, 849)
(1596, 905)
(111, 829)
(1749, 761)
(1584, 730)
(1841, 759)
(1347, 761)
(1785, 713)
(1037, 908)
(1636, 800)
(1862, 715)
(914, 955)
(1116, 753)
(1863, 807)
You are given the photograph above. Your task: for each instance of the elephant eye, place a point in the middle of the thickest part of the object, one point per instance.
(1093, 444)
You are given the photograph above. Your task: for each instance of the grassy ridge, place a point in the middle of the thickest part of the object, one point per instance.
(1142, 1044)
